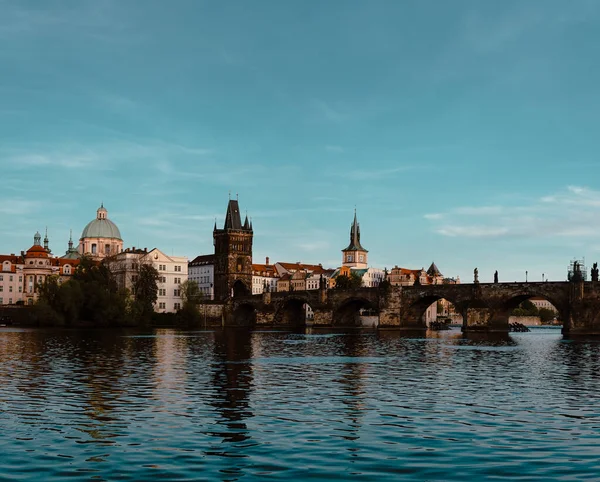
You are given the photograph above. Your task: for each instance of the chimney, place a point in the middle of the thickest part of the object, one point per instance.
(267, 260)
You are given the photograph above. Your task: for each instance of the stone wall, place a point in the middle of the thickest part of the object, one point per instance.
(211, 313)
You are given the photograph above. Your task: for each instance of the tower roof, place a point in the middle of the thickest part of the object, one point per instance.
(433, 270)
(101, 227)
(233, 219)
(355, 237)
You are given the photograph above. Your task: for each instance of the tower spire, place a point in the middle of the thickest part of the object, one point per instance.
(46, 242)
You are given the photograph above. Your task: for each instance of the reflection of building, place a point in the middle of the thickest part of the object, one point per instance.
(172, 271)
(233, 254)
(20, 275)
(101, 237)
(202, 271)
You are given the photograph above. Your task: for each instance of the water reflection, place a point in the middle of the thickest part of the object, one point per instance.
(239, 405)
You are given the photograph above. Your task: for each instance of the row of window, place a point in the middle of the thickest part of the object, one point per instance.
(163, 306)
(163, 267)
(11, 278)
(163, 292)
(10, 289)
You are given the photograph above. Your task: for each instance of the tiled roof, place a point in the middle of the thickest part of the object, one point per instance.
(203, 259)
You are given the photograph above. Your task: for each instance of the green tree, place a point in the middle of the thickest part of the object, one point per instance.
(145, 293)
(191, 296)
(547, 315)
(344, 282)
(526, 308)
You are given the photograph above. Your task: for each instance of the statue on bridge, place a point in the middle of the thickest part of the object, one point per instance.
(496, 277)
(475, 275)
(595, 272)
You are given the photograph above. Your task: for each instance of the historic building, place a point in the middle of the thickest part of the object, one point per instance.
(355, 256)
(201, 270)
(264, 277)
(233, 254)
(101, 237)
(21, 275)
(172, 271)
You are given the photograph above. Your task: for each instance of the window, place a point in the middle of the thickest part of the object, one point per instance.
(20, 279)
(10, 289)
(161, 306)
(162, 279)
(177, 306)
(176, 292)
(162, 267)
(361, 258)
(349, 258)
(10, 301)
(1, 288)
(20, 289)
(178, 268)
(1, 278)
(107, 248)
(94, 248)
(1, 301)
(162, 292)
(177, 281)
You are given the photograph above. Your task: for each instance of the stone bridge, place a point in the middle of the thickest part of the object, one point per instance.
(483, 306)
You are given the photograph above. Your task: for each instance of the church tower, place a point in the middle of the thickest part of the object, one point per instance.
(233, 254)
(355, 256)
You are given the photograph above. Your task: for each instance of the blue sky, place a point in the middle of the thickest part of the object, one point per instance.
(464, 132)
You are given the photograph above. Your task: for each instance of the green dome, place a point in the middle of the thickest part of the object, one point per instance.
(101, 227)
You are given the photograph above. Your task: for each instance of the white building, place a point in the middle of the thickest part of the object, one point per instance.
(11, 279)
(264, 276)
(172, 270)
(202, 270)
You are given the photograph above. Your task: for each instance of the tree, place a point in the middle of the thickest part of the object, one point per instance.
(145, 292)
(526, 308)
(344, 282)
(191, 296)
(547, 315)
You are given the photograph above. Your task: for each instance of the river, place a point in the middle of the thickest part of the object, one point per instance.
(234, 405)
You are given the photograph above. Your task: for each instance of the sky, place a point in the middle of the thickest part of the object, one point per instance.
(463, 132)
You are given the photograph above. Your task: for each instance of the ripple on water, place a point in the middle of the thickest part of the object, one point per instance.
(219, 405)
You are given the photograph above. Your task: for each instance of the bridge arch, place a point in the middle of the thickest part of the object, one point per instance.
(503, 310)
(244, 315)
(424, 309)
(353, 312)
(240, 289)
(292, 312)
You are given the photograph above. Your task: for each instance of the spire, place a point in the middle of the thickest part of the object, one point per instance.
(70, 240)
(46, 240)
(246, 223)
(355, 236)
(215, 228)
(233, 219)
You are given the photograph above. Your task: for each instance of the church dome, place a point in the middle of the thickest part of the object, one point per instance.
(101, 227)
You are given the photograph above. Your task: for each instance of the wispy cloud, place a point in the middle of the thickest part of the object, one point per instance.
(572, 213)
(332, 148)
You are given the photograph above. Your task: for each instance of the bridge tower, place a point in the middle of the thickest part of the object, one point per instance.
(355, 256)
(233, 254)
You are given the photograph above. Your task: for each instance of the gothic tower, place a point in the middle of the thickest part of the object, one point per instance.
(233, 254)
(355, 256)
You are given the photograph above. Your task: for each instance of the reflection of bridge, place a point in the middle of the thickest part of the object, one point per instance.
(484, 307)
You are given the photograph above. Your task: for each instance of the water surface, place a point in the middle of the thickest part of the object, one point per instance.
(234, 405)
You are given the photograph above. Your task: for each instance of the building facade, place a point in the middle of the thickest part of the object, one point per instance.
(172, 271)
(21, 275)
(233, 254)
(201, 270)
